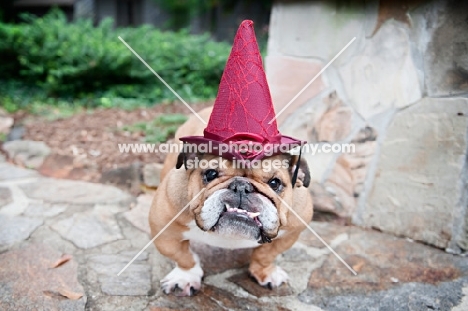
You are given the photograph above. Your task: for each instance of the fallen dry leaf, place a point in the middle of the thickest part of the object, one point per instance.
(63, 293)
(357, 267)
(52, 294)
(65, 258)
(70, 294)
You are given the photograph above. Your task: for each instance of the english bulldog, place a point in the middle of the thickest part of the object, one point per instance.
(228, 207)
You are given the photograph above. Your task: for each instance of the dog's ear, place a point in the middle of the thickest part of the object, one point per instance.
(183, 157)
(303, 173)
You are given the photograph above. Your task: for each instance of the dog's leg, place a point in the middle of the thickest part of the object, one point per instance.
(262, 266)
(187, 275)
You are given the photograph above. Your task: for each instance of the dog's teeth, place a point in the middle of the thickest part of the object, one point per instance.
(259, 224)
(241, 211)
(253, 215)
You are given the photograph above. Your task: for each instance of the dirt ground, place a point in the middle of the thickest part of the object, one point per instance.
(86, 144)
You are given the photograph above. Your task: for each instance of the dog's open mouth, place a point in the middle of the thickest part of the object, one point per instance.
(237, 222)
(243, 213)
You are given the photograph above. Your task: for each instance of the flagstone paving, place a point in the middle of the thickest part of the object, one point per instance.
(43, 220)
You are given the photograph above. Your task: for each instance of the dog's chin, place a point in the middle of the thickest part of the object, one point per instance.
(237, 226)
(240, 226)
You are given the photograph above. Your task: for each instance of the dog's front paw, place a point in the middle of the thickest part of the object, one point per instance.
(271, 277)
(183, 282)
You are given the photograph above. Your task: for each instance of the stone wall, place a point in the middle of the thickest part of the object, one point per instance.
(399, 93)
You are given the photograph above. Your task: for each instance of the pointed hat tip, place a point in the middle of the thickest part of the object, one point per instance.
(247, 22)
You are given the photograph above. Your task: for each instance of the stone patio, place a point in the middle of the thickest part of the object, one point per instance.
(63, 242)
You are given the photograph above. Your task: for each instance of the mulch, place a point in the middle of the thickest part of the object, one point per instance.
(88, 141)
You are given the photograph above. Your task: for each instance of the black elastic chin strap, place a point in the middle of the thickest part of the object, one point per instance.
(296, 170)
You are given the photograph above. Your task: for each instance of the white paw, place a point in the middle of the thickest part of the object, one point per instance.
(277, 277)
(186, 281)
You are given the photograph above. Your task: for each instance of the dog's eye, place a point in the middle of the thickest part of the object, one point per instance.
(275, 184)
(210, 175)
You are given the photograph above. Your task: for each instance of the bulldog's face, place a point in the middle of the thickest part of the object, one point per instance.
(243, 203)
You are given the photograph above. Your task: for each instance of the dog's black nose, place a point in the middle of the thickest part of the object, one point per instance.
(241, 186)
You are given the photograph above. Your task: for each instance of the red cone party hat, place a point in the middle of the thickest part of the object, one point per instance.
(243, 107)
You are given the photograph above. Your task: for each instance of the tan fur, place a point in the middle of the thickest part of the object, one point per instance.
(179, 186)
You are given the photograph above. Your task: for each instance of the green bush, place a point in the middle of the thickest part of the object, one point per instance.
(79, 60)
